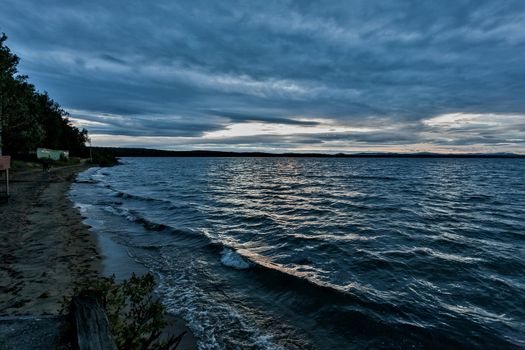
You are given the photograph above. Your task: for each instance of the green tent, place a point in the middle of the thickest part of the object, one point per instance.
(45, 153)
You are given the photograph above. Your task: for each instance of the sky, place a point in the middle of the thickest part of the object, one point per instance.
(318, 76)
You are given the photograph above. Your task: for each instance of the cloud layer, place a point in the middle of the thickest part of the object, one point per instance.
(281, 75)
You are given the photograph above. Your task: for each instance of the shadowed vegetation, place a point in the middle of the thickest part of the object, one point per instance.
(29, 118)
(136, 316)
(104, 157)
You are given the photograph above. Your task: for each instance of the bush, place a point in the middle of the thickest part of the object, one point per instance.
(135, 316)
(104, 158)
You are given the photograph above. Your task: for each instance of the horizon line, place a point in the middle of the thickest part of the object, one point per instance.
(152, 152)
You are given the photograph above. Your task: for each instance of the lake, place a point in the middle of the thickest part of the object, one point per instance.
(323, 253)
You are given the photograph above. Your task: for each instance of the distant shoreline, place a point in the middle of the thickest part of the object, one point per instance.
(146, 152)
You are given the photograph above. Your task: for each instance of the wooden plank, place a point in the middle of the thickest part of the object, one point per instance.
(91, 324)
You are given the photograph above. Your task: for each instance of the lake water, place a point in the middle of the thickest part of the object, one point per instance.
(300, 253)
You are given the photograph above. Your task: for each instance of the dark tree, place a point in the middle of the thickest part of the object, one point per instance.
(30, 119)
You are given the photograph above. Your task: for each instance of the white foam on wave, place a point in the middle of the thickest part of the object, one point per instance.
(232, 259)
(121, 212)
(86, 177)
(82, 207)
(216, 323)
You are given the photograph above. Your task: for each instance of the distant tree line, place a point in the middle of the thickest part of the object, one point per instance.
(147, 152)
(29, 118)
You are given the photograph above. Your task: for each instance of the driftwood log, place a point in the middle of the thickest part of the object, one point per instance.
(92, 331)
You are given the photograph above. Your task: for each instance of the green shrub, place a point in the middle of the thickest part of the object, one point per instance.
(104, 158)
(135, 316)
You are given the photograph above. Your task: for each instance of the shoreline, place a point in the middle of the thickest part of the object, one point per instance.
(45, 245)
(115, 260)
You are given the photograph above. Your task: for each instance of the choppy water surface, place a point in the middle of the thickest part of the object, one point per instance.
(293, 253)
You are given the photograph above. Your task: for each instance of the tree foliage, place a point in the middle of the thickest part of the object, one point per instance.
(135, 316)
(29, 118)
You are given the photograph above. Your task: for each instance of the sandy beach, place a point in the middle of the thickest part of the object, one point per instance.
(45, 247)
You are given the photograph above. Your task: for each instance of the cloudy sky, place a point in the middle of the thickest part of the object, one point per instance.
(322, 76)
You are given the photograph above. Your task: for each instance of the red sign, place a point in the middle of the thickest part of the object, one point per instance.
(5, 162)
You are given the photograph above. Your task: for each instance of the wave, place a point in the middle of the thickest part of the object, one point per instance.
(86, 181)
(232, 259)
(413, 252)
(230, 256)
(363, 308)
(347, 237)
(372, 177)
(267, 271)
(139, 197)
(125, 195)
(180, 236)
(82, 207)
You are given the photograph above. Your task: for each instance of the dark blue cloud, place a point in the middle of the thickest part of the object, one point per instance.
(189, 68)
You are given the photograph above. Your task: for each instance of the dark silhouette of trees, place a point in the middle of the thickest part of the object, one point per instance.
(31, 119)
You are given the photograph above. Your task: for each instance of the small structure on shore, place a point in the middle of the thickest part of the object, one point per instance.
(46, 153)
(5, 164)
